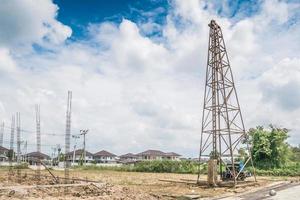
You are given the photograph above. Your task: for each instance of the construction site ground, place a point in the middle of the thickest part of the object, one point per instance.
(121, 185)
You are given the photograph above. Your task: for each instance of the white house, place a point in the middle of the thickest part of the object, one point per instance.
(104, 157)
(34, 157)
(78, 156)
(172, 156)
(128, 158)
(3, 153)
(157, 155)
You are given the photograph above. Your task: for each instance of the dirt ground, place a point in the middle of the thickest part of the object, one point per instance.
(115, 185)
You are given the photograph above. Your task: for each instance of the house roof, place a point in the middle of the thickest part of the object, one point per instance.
(80, 152)
(104, 153)
(151, 153)
(172, 154)
(156, 153)
(3, 149)
(39, 155)
(128, 155)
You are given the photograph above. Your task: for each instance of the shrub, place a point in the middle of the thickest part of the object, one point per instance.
(158, 166)
(21, 166)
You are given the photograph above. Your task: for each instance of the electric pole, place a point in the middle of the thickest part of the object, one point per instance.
(1, 134)
(84, 132)
(74, 154)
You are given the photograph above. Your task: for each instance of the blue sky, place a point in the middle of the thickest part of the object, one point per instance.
(137, 68)
(79, 13)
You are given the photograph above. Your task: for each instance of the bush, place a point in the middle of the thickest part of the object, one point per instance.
(21, 166)
(157, 166)
(167, 166)
(292, 169)
(190, 167)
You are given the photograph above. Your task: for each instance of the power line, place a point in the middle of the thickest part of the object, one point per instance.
(43, 133)
(28, 144)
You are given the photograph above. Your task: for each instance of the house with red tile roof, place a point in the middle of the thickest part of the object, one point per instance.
(104, 157)
(157, 155)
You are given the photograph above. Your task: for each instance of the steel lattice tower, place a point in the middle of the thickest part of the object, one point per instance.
(222, 124)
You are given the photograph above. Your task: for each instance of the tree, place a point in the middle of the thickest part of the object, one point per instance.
(242, 154)
(269, 146)
(295, 154)
(279, 147)
(61, 157)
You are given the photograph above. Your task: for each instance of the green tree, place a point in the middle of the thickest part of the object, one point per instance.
(279, 147)
(295, 156)
(242, 154)
(269, 146)
(61, 157)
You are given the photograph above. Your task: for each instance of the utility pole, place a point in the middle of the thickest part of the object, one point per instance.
(58, 149)
(84, 132)
(1, 134)
(75, 137)
(58, 152)
(25, 151)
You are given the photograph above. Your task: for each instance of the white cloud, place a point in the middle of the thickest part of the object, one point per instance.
(134, 92)
(26, 21)
(7, 64)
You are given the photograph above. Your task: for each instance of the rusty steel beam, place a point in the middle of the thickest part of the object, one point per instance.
(222, 122)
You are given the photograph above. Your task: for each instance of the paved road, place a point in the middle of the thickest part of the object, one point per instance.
(292, 193)
(285, 191)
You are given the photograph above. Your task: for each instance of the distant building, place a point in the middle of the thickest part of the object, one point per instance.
(104, 157)
(128, 158)
(3, 153)
(157, 155)
(172, 156)
(79, 156)
(151, 155)
(34, 157)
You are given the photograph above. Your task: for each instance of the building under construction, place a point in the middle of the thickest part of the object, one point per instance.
(19, 177)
